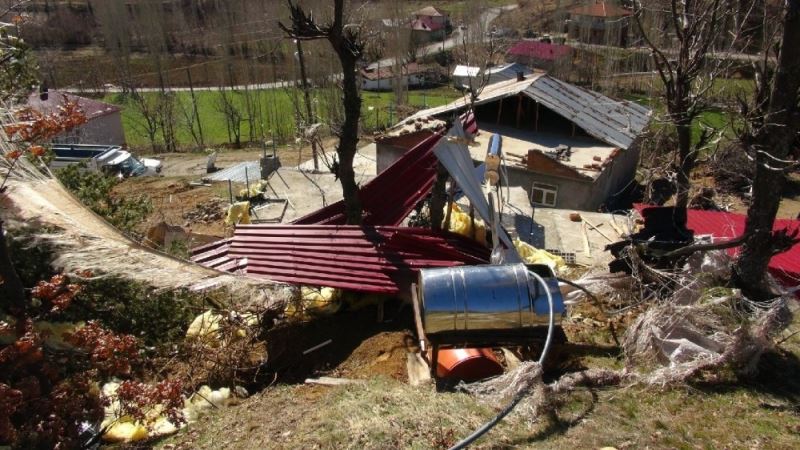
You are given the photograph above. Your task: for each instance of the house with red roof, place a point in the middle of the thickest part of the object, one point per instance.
(103, 120)
(539, 55)
(600, 22)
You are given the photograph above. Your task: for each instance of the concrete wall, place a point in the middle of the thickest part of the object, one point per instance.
(579, 194)
(103, 130)
(572, 193)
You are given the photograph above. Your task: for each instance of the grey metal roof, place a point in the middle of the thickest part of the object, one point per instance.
(615, 122)
(248, 170)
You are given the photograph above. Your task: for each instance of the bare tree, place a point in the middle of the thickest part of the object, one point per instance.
(772, 125)
(684, 72)
(147, 122)
(229, 107)
(345, 41)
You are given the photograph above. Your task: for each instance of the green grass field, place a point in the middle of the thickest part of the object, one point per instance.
(275, 109)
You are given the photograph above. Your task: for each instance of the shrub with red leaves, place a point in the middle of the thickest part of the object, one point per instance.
(137, 398)
(110, 353)
(55, 294)
(46, 394)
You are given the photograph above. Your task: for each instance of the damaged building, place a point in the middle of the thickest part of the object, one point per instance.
(568, 147)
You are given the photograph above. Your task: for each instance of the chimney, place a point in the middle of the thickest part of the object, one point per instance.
(43, 93)
(520, 75)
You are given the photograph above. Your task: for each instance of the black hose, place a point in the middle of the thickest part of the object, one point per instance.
(464, 443)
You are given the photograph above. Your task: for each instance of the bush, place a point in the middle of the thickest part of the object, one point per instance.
(733, 172)
(94, 190)
(124, 306)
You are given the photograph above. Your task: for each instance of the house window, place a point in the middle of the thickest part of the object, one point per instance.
(544, 194)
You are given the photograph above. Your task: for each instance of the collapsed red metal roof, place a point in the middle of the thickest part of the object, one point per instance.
(381, 260)
(391, 196)
(724, 225)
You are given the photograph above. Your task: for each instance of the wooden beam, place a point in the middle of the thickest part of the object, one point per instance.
(519, 108)
(536, 120)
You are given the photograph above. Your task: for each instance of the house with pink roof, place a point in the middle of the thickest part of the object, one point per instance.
(429, 24)
(103, 120)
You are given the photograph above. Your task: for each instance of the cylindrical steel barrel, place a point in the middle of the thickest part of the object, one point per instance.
(494, 297)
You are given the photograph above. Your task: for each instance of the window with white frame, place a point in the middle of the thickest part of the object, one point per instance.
(544, 194)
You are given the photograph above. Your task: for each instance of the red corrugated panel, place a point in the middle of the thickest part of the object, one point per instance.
(724, 225)
(391, 196)
(359, 258)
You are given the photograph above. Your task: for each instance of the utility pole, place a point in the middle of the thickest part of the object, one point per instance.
(309, 116)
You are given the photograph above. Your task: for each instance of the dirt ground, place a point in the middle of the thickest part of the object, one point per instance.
(194, 164)
(385, 412)
(178, 203)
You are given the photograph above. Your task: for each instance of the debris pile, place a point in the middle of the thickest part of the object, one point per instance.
(208, 212)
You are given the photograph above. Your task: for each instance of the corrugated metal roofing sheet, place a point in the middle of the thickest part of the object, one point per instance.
(615, 122)
(490, 93)
(240, 173)
(359, 258)
(612, 121)
(389, 197)
(723, 225)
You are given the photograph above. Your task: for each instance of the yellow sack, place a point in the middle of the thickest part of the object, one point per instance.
(238, 212)
(533, 255)
(461, 224)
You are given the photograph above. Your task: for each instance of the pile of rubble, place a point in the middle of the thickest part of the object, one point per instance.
(208, 212)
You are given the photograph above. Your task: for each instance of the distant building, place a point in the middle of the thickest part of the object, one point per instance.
(600, 22)
(568, 147)
(384, 78)
(429, 24)
(103, 121)
(539, 55)
(466, 77)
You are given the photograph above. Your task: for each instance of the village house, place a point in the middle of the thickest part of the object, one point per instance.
(469, 77)
(600, 22)
(429, 24)
(539, 55)
(384, 78)
(568, 147)
(103, 121)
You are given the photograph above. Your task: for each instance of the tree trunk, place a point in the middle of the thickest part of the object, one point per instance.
(12, 293)
(348, 140)
(685, 163)
(439, 197)
(776, 138)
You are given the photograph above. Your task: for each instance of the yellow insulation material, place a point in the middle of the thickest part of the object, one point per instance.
(315, 301)
(206, 326)
(238, 212)
(533, 255)
(460, 223)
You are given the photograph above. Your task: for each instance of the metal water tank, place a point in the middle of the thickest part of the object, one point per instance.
(481, 298)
